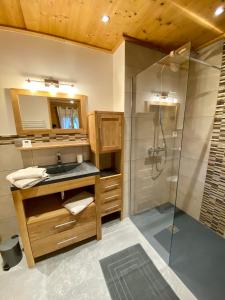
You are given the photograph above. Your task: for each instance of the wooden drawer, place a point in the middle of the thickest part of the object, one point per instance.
(61, 220)
(110, 207)
(110, 196)
(111, 183)
(60, 240)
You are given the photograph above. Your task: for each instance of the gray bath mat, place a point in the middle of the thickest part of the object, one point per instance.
(131, 275)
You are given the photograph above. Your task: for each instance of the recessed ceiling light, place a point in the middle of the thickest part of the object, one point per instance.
(105, 19)
(219, 10)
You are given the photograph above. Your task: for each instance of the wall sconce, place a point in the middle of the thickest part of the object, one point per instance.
(169, 97)
(51, 85)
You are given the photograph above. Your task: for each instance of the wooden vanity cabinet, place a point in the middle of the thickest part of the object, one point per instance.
(106, 141)
(46, 226)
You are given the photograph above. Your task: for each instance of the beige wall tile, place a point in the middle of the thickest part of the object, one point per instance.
(7, 206)
(126, 197)
(140, 148)
(4, 183)
(8, 227)
(28, 159)
(10, 158)
(194, 169)
(198, 128)
(49, 156)
(190, 187)
(196, 148)
(190, 206)
(127, 128)
(143, 126)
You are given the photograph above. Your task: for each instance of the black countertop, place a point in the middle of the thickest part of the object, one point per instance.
(84, 169)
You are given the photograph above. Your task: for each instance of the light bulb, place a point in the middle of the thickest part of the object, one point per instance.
(105, 19)
(32, 85)
(52, 89)
(219, 10)
(72, 91)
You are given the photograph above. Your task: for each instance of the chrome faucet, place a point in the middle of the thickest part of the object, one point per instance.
(59, 160)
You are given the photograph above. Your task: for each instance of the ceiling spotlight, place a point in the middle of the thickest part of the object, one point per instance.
(105, 19)
(219, 10)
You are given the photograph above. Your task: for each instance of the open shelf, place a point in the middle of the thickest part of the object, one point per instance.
(109, 164)
(47, 145)
(45, 207)
(108, 172)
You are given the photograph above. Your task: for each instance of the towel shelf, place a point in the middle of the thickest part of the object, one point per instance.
(48, 145)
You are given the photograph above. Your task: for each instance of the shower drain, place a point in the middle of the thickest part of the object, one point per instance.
(173, 229)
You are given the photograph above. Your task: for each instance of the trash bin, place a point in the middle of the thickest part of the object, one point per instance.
(11, 252)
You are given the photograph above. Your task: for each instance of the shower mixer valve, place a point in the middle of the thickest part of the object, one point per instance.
(157, 150)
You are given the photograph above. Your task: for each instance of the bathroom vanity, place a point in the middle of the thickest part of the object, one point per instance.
(45, 226)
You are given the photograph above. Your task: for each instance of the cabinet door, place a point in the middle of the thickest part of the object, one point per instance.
(110, 132)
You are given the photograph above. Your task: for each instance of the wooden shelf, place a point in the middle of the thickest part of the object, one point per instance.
(47, 145)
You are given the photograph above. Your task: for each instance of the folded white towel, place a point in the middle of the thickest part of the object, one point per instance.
(26, 178)
(30, 172)
(78, 203)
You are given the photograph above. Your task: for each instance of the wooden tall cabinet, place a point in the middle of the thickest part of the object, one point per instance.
(106, 139)
(110, 131)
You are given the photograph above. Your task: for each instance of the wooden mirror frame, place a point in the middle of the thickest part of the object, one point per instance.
(15, 93)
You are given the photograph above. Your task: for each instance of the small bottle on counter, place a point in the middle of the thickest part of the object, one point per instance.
(79, 158)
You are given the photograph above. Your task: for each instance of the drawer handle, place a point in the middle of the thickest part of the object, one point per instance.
(111, 186)
(111, 197)
(110, 208)
(65, 241)
(64, 224)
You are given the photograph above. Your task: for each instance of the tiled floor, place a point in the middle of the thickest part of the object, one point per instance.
(77, 274)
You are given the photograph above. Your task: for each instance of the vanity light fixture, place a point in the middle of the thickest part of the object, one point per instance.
(51, 85)
(219, 10)
(105, 19)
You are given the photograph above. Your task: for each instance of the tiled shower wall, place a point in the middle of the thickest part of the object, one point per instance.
(200, 108)
(213, 205)
(11, 160)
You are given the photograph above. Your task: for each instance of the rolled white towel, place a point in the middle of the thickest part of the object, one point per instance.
(78, 203)
(28, 173)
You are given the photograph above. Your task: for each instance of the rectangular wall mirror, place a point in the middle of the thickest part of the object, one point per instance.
(40, 112)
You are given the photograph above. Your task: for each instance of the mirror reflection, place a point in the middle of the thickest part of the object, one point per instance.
(40, 112)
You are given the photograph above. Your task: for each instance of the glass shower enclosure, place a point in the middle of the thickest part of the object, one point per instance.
(158, 106)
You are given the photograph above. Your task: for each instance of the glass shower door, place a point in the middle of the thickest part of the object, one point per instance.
(158, 105)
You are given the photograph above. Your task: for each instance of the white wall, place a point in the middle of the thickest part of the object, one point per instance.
(119, 78)
(23, 55)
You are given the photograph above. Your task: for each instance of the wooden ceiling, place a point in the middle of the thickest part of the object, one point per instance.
(165, 23)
